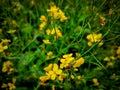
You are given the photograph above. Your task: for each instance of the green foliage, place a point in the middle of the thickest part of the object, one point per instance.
(40, 36)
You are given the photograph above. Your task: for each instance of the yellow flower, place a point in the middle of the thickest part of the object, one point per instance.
(44, 22)
(42, 25)
(11, 31)
(56, 13)
(53, 31)
(2, 48)
(79, 62)
(32, 2)
(77, 54)
(5, 41)
(5, 47)
(48, 32)
(14, 23)
(46, 41)
(61, 76)
(110, 64)
(13, 80)
(11, 86)
(66, 60)
(52, 71)
(95, 81)
(4, 85)
(0, 31)
(8, 67)
(100, 43)
(59, 34)
(107, 59)
(44, 78)
(89, 43)
(67, 55)
(118, 50)
(56, 70)
(52, 75)
(53, 87)
(62, 16)
(49, 55)
(72, 76)
(53, 9)
(48, 68)
(113, 58)
(79, 77)
(94, 38)
(43, 18)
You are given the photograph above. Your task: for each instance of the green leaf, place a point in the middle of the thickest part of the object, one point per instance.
(27, 29)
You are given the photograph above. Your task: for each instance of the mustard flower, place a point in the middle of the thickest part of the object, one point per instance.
(94, 38)
(78, 62)
(48, 68)
(32, 2)
(46, 41)
(43, 18)
(53, 87)
(56, 13)
(110, 64)
(2, 48)
(72, 76)
(95, 81)
(118, 50)
(54, 72)
(8, 67)
(11, 86)
(44, 78)
(107, 59)
(11, 31)
(48, 31)
(4, 85)
(15, 24)
(5, 41)
(42, 25)
(49, 55)
(44, 22)
(66, 60)
(62, 76)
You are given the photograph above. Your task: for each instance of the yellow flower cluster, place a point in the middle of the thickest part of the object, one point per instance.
(95, 81)
(94, 38)
(56, 13)
(44, 22)
(55, 31)
(110, 60)
(78, 62)
(53, 72)
(68, 60)
(8, 67)
(2, 46)
(9, 86)
(49, 55)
